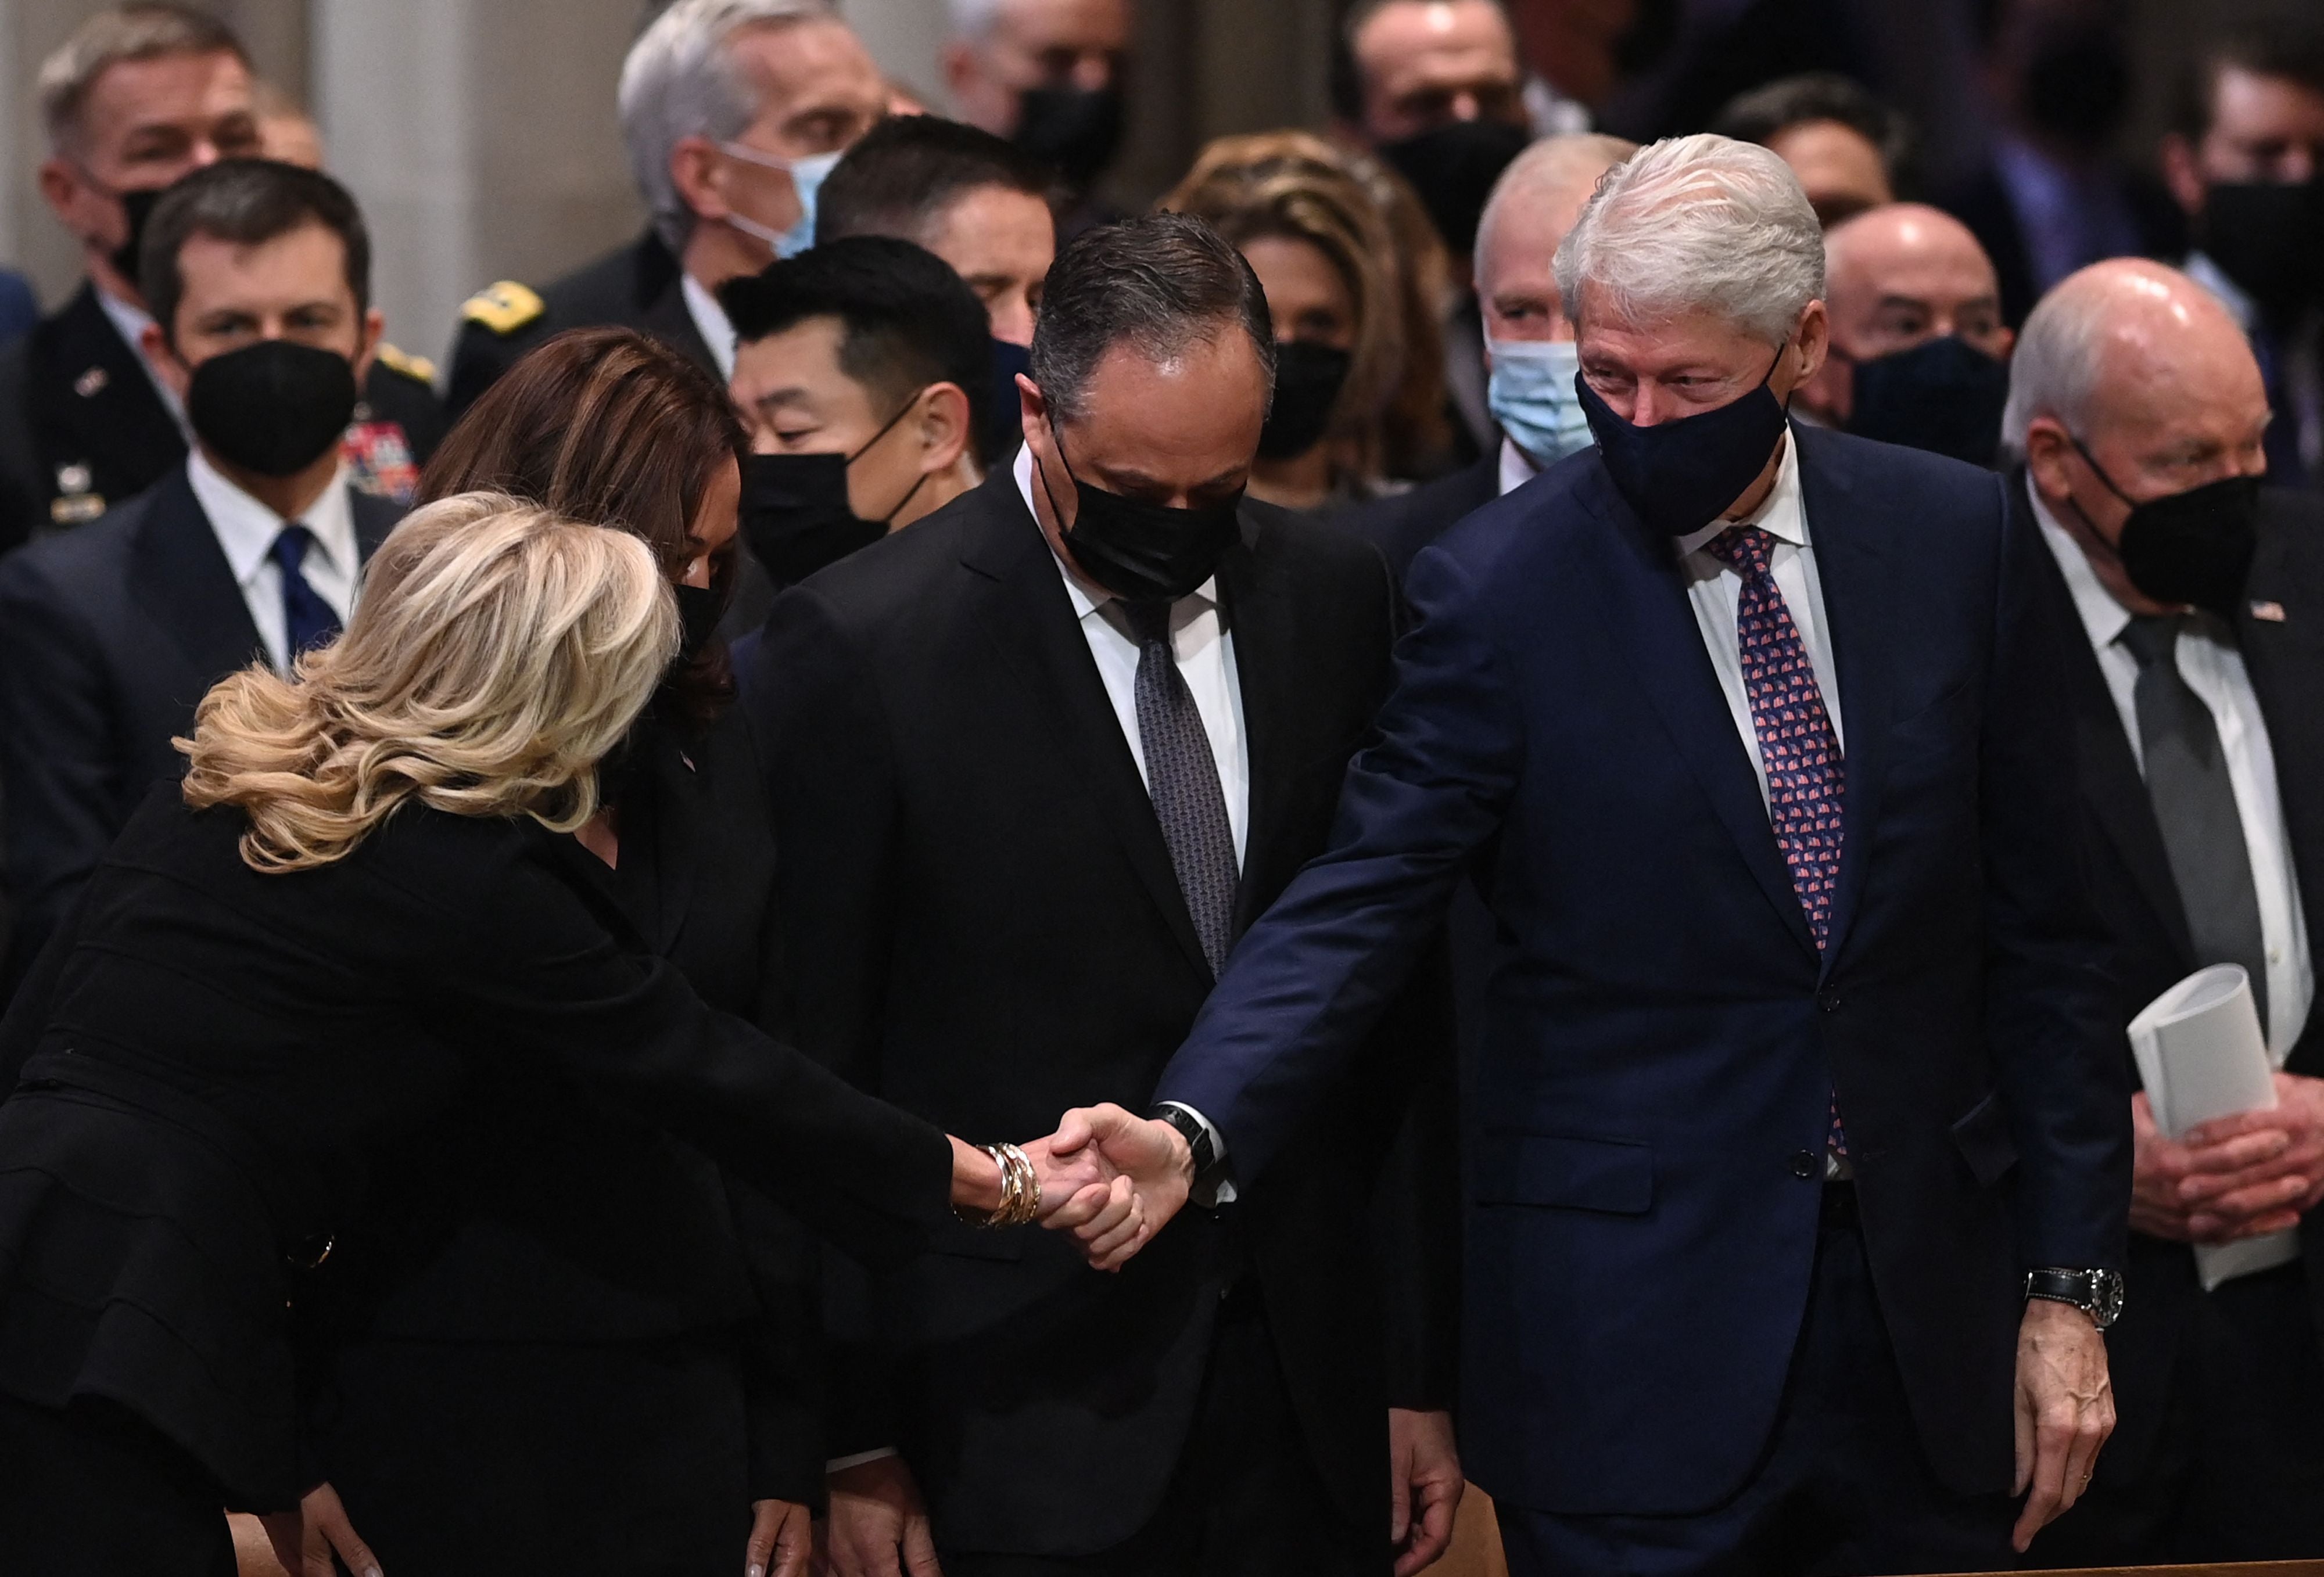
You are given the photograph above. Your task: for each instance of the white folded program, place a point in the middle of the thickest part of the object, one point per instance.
(2201, 1056)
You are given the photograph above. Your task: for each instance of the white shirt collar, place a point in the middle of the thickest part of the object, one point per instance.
(1085, 601)
(711, 322)
(1780, 514)
(246, 529)
(1517, 467)
(2103, 618)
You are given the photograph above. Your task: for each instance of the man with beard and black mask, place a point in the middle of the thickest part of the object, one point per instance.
(864, 370)
(2137, 409)
(259, 277)
(1036, 762)
(1048, 75)
(733, 114)
(2052, 196)
(1919, 352)
(134, 98)
(2246, 161)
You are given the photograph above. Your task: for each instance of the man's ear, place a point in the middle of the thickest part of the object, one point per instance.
(695, 169)
(1809, 341)
(2047, 451)
(60, 183)
(2180, 171)
(944, 428)
(163, 358)
(1032, 410)
(374, 326)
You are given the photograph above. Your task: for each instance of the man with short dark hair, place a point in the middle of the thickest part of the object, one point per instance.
(134, 98)
(1847, 148)
(259, 276)
(1035, 762)
(2246, 160)
(974, 200)
(864, 371)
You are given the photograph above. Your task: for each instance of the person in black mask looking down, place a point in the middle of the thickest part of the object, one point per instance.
(2137, 410)
(862, 369)
(2246, 161)
(259, 276)
(1047, 75)
(1035, 762)
(1918, 346)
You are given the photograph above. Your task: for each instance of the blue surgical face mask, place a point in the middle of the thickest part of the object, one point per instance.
(1532, 395)
(808, 176)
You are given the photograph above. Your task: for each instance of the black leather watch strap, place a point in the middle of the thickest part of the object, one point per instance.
(2097, 1293)
(1197, 1137)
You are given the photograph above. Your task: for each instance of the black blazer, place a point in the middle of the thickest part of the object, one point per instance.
(982, 926)
(75, 405)
(634, 286)
(109, 637)
(536, 1211)
(216, 1065)
(2130, 879)
(1401, 524)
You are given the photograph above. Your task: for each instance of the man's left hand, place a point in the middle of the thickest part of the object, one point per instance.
(2065, 1411)
(1424, 1486)
(783, 1539)
(2272, 1195)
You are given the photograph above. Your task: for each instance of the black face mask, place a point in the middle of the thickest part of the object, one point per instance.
(1679, 475)
(797, 517)
(2269, 238)
(1945, 397)
(1308, 378)
(2195, 547)
(274, 407)
(139, 207)
(1004, 428)
(1078, 130)
(1141, 551)
(1452, 168)
(699, 610)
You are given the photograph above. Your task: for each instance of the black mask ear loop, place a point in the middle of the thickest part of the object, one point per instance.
(2083, 514)
(865, 447)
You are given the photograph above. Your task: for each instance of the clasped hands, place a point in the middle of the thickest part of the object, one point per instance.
(2241, 1176)
(1111, 1179)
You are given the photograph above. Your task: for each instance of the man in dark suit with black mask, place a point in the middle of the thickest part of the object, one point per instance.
(259, 276)
(1038, 761)
(2141, 417)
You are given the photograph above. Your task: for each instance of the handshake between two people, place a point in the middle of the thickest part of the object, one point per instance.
(1110, 1177)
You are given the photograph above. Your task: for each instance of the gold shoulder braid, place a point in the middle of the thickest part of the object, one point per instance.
(504, 308)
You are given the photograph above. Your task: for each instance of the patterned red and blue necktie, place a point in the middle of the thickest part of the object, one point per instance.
(1805, 785)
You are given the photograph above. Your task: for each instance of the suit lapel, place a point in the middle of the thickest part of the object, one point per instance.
(668, 320)
(1852, 574)
(1645, 602)
(102, 411)
(179, 575)
(681, 791)
(1033, 626)
(1258, 607)
(2284, 656)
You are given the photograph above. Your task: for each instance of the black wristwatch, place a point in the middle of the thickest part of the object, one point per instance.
(2097, 1293)
(1197, 1137)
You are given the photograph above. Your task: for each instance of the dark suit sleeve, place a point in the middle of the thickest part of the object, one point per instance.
(1416, 1209)
(2056, 1045)
(56, 751)
(1315, 973)
(832, 784)
(532, 969)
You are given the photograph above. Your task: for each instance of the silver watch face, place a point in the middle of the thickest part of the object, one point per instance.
(2105, 1298)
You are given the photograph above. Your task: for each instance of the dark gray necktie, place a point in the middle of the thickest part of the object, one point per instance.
(2195, 806)
(1182, 777)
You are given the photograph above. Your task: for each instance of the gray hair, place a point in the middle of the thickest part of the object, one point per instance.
(1553, 170)
(975, 19)
(2058, 364)
(680, 82)
(1698, 223)
(1157, 285)
(111, 38)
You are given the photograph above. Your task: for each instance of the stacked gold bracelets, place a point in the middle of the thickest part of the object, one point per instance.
(1021, 1190)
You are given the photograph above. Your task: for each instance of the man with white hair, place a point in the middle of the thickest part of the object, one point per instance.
(733, 112)
(2140, 418)
(1529, 349)
(1919, 350)
(1801, 1148)
(1047, 75)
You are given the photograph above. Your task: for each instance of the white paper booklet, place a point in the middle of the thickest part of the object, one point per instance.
(2201, 1056)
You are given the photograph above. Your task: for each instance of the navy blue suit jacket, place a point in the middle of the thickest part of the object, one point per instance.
(1650, 1103)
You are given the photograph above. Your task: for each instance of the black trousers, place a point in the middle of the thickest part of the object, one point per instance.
(1246, 1500)
(95, 1491)
(473, 1460)
(1843, 1489)
(2238, 1473)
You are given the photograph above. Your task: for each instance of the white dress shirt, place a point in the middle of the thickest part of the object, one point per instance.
(131, 323)
(1517, 467)
(1716, 592)
(2214, 669)
(246, 530)
(711, 322)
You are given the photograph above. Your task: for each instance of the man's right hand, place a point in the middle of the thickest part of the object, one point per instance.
(877, 1526)
(2159, 1205)
(1154, 1172)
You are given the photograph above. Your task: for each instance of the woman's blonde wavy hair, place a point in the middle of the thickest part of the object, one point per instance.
(498, 652)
